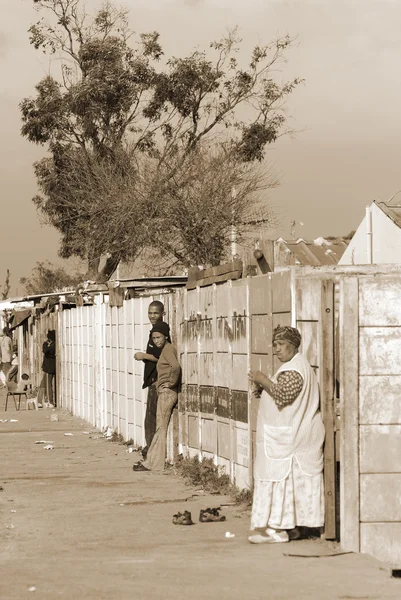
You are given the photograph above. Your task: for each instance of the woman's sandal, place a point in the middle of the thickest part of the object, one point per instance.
(270, 536)
(211, 515)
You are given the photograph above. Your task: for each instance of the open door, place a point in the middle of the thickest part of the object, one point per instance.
(315, 319)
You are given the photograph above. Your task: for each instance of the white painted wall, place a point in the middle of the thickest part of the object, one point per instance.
(99, 379)
(386, 241)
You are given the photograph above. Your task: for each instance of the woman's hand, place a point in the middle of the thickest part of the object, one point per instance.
(140, 355)
(257, 388)
(260, 382)
(256, 377)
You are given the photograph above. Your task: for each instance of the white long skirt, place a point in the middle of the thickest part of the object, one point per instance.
(295, 501)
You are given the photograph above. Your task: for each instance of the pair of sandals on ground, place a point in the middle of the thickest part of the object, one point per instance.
(208, 515)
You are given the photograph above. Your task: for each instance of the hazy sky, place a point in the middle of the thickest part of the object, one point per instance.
(348, 112)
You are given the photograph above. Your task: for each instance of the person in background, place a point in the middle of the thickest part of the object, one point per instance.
(288, 469)
(168, 379)
(13, 372)
(150, 358)
(6, 353)
(49, 366)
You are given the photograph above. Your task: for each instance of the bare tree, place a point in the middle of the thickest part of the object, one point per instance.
(195, 210)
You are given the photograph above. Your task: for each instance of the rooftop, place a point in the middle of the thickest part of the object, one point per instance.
(319, 252)
(393, 211)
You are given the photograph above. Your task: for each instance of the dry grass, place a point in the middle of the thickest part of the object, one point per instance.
(211, 478)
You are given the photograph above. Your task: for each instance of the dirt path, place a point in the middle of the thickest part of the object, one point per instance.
(76, 522)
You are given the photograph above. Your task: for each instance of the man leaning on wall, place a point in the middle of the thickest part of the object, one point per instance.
(150, 358)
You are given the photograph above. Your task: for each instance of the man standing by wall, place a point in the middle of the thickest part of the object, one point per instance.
(150, 358)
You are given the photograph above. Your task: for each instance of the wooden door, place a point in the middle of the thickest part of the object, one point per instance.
(314, 318)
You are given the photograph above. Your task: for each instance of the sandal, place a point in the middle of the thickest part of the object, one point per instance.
(211, 515)
(183, 519)
(270, 536)
(177, 518)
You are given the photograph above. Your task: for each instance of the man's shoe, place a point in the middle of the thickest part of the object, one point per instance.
(177, 518)
(139, 467)
(183, 519)
(210, 515)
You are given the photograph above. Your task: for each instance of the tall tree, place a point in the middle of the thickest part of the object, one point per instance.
(117, 109)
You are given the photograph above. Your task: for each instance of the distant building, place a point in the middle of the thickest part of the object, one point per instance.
(377, 239)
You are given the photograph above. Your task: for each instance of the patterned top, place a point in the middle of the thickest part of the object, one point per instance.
(288, 387)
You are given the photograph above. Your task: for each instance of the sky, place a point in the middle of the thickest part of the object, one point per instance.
(347, 114)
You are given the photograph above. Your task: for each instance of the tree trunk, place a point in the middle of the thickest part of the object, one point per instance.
(110, 266)
(93, 268)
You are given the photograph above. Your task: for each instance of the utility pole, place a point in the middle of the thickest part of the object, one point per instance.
(293, 225)
(233, 227)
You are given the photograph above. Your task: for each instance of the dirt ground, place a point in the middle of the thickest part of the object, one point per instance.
(77, 522)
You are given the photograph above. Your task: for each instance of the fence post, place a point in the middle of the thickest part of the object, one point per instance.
(349, 432)
(248, 368)
(326, 372)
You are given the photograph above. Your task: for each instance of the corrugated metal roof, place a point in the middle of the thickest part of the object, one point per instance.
(138, 282)
(392, 211)
(46, 295)
(153, 282)
(319, 252)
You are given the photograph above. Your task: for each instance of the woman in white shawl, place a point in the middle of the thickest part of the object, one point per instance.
(288, 470)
